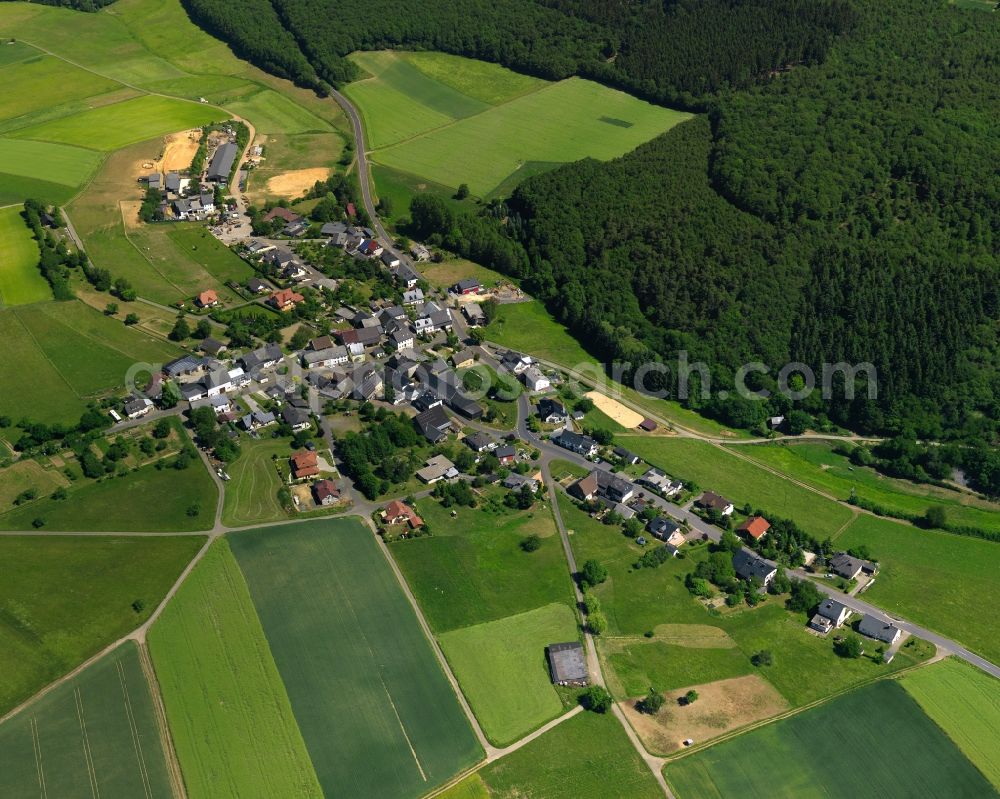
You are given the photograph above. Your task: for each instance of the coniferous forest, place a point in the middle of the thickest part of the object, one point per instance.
(838, 198)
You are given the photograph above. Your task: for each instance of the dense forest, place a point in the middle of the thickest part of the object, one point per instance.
(79, 5)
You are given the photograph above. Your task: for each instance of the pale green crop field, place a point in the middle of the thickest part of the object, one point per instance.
(271, 112)
(20, 280)
(564, 122)
(42, 82)
(55, 163)
(115, 126)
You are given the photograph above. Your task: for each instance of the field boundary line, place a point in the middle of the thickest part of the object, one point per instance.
(36, 745)
(134, 731)
(88, 756)
(402, 726)
(167, 280)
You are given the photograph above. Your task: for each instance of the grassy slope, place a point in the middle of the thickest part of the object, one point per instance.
(586, 757)
(63, 599)
(251, 495)
(817, 465)
(799, 757)
(362, 678)
(936, 579)
(134, 502)
(20, 279)
(228, 710)
(472, 569)
(59, 163)
(563, 122)
(742, 482)
(965, 703)
(41, 82)
(489, 83)
(502, 669)
(95, 733)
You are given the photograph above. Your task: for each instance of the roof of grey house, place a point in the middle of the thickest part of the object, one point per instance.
(550, 407)
(413, 295)
(472, 310)
(662, 526)
(190, 390)
(136, 405)
(874, 627)
(441, 318)
(467, 283)
(333, 228)
(517, 481)
(402, 335)
(187, 363)
(295, 416)
(575, 441)
(172, 182)
(505, 451)
(212, 346)
(255, 284)
(608, 481)
(625, 454)
(566, 662)
(433, 423)
(832, 609)
(222, 162)
(478, 441)
(310, 357)
(848, 564)
(748, 565)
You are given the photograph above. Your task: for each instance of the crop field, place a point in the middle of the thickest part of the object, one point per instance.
(63, 599)
(364, 683)
(799, 763)
(503, 672)
(112, 127)
(21, 281)
(473, 570)
(741, 482)
(965, 703)
(43, 82)
(251, 495)
(563, 122)
(59, 164)
(133, 502)
(818, 465)
(229, 713)
(271, 112)
(585, 757)
(95, 735)
(932, 578)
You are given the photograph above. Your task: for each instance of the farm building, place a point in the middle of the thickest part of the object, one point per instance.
(222, 163)
(567, 665)
(468, 285)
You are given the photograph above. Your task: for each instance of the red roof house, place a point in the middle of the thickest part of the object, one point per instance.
(326, 492)
(282, 213)
(756, 527)
(351, 210)
(397, 512)
(285, 299)
(304, 464)
(207, 299)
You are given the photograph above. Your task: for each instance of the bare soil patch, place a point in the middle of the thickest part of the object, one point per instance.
(179, 150)
(296, 182)
(130, 213)
(626, 417)
(722, 706)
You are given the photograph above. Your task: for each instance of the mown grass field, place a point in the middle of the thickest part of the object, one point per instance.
(585, 757)
(133, 502)
(228, 710)
(59, 164)
(95, 735)
(473, 570)
(481, 80)
(363, 681)
(63, 599)
(562, 122)
(66, 352)
(502, 668)
(21, 282)
(41, 82)
(640, 601)
(251, 495)
(272, 112)
(793, 757)
(741, 482)
(818, 465)
(112, 127)
(965, 703)
(396, 189)
(932, 578)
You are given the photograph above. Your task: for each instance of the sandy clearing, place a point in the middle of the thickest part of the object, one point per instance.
(722, 706)
(179, 150)
(296, 182)
(130, 213)
(626, 417)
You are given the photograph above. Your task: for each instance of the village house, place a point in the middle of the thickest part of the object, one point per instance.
(419, 251)
(285, 214)
(436, 469)
(138, 407)
(468, 285)
(575, 442)
(516, 362)
(755, 527)
(515, 482)
(413, 296)
(295, 417)
(830, 615)
(506, 454)
(285, 299)
(748, 565)
(397, 512)
(474, 314)
(849, 567)
(712, 501)
(325, 358)
(304, 464)
(433, 423)
(262, 358)
(406, 275)
(552, 411)
(479, 442)
(626, 457)
(213, 347)
(602, 483)
(880, 630)
(390, 259)
(534, 380)
(207, 299)
(257, 420)
(326, 492)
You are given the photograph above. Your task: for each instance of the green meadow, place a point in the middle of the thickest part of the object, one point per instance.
(502, 668)
(272, 112)
(63, 599)
(818, 465)
(932, 578)
(43, 82)
(716, 469)
(60, 164)
(965, 703)
(563, 122)
(229, 712)
(363, 680)
(112, 127)
(871, 727)
(21, 282)
(95, 735)
(251, 495)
